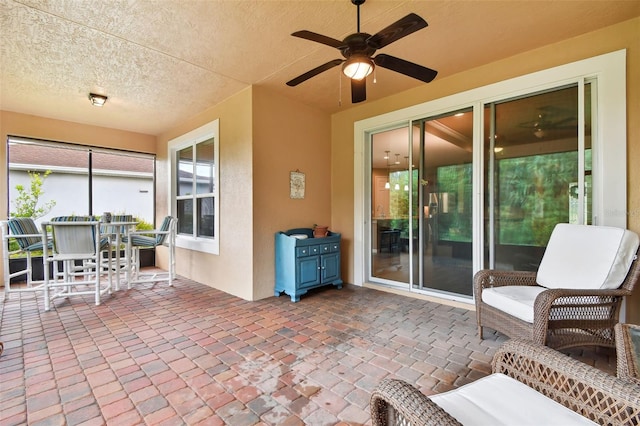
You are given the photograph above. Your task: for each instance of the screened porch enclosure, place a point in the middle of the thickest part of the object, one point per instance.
(82, 180)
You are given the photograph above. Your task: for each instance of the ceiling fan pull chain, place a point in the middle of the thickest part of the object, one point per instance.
(340, 89)
(375, 80)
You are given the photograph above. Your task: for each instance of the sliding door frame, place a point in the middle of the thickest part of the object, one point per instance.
(609, 165)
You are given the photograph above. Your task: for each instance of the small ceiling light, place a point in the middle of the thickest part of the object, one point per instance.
(97, 100)
(357, 67)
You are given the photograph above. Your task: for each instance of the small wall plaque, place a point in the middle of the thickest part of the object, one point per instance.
(296, 185)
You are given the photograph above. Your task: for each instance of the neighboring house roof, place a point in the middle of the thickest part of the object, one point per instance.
(72, 158)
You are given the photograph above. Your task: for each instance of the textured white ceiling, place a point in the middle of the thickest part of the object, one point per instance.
(163, 61)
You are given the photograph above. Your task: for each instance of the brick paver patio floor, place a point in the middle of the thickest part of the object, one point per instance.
(192, 355)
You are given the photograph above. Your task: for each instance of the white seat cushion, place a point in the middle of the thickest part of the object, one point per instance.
(515, 300)
(587, 257)
(500, 400)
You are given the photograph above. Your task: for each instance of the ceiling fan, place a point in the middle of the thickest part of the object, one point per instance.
(358, 49)
(546, 121)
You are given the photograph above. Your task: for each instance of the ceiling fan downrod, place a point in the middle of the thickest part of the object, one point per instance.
(358, 3)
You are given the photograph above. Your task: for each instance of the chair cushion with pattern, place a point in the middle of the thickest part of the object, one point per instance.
(25, 226)
(166, 223)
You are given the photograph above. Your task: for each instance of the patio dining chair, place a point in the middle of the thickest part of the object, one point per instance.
(117, 230)
(78, 246)
(575, 296)
(29, 239)
(165, 235)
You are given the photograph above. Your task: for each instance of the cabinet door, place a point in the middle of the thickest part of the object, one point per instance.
(330, 267)
(308, 271)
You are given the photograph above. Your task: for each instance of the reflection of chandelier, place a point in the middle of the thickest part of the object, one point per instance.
(387, 185)
(406, 185)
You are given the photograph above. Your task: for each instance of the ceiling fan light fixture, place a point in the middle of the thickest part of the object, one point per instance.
(97, 100)
(357, 67)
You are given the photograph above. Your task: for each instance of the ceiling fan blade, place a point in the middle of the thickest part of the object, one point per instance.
(307, 75)
(358, 90)
(402, 28)
(405, 67)
(319, 38)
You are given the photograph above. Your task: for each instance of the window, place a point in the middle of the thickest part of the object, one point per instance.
(195, 182)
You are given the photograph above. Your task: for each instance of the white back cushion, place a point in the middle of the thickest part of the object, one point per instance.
(587, 257)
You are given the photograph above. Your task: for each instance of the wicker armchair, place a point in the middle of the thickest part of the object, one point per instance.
(585, 390)
(563, 315)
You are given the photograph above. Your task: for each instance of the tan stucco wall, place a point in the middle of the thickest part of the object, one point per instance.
(288, 136)
(263, 136)
(622, 36)
(232, 270)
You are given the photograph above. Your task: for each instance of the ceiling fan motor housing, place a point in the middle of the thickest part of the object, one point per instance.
(357, 43)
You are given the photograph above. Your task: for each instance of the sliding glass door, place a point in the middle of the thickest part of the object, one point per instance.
(490, 172)
(535, 171)
(538, 173)
(445, 202)
(393, 189)
(421, 204)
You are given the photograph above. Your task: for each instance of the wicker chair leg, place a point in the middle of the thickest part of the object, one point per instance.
(480, 329)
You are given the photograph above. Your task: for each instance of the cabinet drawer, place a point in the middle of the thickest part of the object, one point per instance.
(329, 248)
(308, 251)
(302, 251)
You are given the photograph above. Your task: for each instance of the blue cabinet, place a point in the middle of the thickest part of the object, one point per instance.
(304, 262)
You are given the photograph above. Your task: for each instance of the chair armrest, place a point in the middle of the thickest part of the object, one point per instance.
(627, 353)
(487, 278)
(395, 402)
(561, 297)
(17, 236)
(590, 392)
(148, 232)
(572, 304)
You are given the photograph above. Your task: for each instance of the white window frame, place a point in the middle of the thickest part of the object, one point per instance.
(208, 131)
(609, 147)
